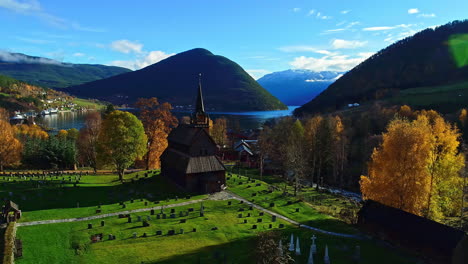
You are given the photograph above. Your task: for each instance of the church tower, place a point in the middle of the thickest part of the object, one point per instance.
(200, 118)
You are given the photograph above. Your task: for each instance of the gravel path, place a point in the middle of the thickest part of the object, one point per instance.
(224, 195)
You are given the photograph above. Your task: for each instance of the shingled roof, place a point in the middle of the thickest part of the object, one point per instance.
(187, 164)
(185, 134)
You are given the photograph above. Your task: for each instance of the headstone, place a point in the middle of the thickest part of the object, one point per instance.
(260, 214)
(124, 206)
(90, 226)
(181, 214)
(326, 258)
(291, 243)
(297, 210)
(110, 236)
(144, 234)
(146, 224)
(138, 218)
(163, 216)
(270, 226)
(173, 216)
(248, 214)
(298, 247)
(273, 218)
(172, 210)
(194, 230)
(245, 221)
(190, 209)
(182, 221)
(146, 203)
(229, 203)
(159, 232)
(181, 230)
(171, 233)
(134, 235)
(259, 220)
(313, 246)
(239, 215)
(158, 216)
(241, 209)
(357, 254)
(148, 218)
(129, 219)
(281, 225)
(152, 212)
(98, 211)
(102, 223)
(254, 227)
(251, 207)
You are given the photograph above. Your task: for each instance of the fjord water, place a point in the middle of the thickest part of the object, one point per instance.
(242, 120)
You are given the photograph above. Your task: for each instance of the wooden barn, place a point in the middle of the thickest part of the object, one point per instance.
(436, 242)
(190, 159)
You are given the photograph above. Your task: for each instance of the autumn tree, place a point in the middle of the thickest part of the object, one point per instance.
(313, 146)
(463, 119)
(88, 140)
(296, 159)
(10, 146)
(264, 145)
(219, 131)
(417, 167)
(398, 174)
(158, 122)
(4, 115)
(121, 141)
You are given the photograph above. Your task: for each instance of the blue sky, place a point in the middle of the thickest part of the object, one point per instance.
(261, 35)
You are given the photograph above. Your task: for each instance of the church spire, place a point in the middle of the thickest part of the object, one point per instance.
(200, 117)
(200, 107)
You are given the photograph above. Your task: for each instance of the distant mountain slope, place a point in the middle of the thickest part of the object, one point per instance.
(297, 87)
(226, 86)
(430, 58)
(53, 74)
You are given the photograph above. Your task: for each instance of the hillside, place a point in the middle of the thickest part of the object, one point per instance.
(297, 87)
(20, 96)
(53, 74)
(432, 63)
(226, 86)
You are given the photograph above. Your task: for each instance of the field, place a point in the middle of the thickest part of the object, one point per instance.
(233, 241)
(88, 103)
(446, 98)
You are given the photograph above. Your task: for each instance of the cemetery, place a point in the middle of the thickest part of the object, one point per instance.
(147, 220)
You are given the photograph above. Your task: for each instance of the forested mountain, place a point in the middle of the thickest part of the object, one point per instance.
(426, 70)
(226, 86)
(53, 74)
(297, 87)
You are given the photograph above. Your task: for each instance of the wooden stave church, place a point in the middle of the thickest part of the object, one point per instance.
(190, 159)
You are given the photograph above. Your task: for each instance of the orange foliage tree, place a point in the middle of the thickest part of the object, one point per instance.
(10, 146)
(88, 139)
(219, 131)
(158, 122)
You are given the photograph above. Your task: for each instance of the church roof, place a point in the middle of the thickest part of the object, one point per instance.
(200, 106)
(187, 164)
(186, 134)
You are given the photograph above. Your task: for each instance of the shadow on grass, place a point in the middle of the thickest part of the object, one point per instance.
(54, 196)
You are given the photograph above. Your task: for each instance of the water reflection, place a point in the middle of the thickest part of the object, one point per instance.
(243, 120)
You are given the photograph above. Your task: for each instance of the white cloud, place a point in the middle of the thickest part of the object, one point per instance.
(347, 44)
(345, 28)
(304, 48)
(431, 15)
(344, 12)
(143, 60)
(328, 63)
(311, 12)
(34, 40)
(16, 57)
(257, 73)
(413, 11)
(126, 46)
(388, 28)
(321, 16)
(21, 7)
(78, 54)
(296, 9)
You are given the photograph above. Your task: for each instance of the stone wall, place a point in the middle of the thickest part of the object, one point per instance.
(9, 249)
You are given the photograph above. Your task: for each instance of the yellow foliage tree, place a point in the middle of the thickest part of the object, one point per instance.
(398, 174)
(32, 131)
(417, 167)
(219, 130)
(10, 146)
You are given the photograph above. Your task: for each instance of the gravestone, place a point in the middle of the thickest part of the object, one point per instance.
(90, 226)
(272, 204)
(259, 220)
(241, 209)
(134, 235)
(190, 209)
(152, 212)
(146, 203)
(172, 210)
(281, 225)
(181, 214)
(270, 226)
(248, 215)
(124, 206)
(110, 236)
(254, 227)
(148, 218)
(273, 218)
(171, 233)
(297, 210)
(146, 224)
(251, 208)
(144, 234)
(102, 223)
(194, 230)
(138, 218)
(158, 216)
(241, 202)
(163, 216)
(173, 215)
(229, 203)
(181, 230)
(98, 211)
(239, 215)
(214, 228)
(260, 214)
(245, 221)
(289, 203)
(129, 219)
(159, 232)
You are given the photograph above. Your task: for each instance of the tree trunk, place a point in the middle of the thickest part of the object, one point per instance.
(121, 174)
(261, 167)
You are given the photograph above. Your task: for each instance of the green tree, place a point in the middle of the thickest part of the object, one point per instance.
(121, 141)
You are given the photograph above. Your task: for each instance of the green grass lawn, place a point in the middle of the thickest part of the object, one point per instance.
(307, 213)
(446, 98)
(57, 201)
(88, 103)
(234, 240)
